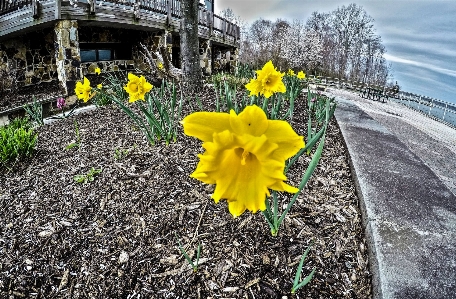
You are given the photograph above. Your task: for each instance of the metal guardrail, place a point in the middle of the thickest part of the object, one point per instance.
(439, 110)
(434, 108)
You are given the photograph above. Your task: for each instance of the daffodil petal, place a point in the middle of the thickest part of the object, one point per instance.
(252, 121)
(203, 125)
(281, 186)
(282, 134)
(132, 77)
(236, 208)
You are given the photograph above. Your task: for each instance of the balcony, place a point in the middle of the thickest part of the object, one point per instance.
(20, 16)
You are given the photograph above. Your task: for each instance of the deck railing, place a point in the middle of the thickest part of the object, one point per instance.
(11, 5)
(171, 8)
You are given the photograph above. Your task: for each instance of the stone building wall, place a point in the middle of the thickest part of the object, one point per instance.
(28, 59)
(53, 55)
(68, 60)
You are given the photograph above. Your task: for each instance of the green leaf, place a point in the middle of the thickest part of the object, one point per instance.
(71, 145)
(309, 171)
(80, 178)
(306, 280)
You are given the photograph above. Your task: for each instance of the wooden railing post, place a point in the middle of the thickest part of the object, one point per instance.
(136, 7)
(92, 6)
(168, 10)
(35, 7)
(211, 22)
(58, 10)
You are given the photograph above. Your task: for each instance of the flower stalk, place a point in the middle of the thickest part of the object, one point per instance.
(297, 284)
(272, 216)
(187, 257)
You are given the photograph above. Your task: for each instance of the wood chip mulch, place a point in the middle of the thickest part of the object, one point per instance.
(114, 237)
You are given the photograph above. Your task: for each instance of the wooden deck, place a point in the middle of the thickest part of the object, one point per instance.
(17, 16)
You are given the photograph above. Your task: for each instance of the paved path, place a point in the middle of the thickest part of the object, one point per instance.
(405, 169)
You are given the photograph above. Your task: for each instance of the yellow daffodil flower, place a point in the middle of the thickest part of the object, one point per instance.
(83, 90)
(245, 155)
(160, 66)
(301, 75)
(97, 71)
(137, 87)
(99, 86)
(267, 82)
(291, 72)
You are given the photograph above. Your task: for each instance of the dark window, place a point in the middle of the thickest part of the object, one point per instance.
(91, 52)
(88, 55)
(104, 54)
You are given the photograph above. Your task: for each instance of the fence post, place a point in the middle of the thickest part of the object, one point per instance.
(168, 10)
(92, 5)
(444, 111)
(35, 6)
(58, 10)
(211, 22)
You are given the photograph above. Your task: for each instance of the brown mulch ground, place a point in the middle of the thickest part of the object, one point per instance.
(114, 237)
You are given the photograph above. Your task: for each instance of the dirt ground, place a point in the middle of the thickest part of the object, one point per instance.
(115, 237)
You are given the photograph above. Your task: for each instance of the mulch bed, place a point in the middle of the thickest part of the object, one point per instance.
(114, 237)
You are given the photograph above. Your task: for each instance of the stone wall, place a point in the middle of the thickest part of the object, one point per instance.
(206, 57)
(224, 59)
(52, 55)
(28, 59)
(68, 58)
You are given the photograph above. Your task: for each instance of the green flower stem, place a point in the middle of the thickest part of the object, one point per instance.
(296, 284)
(265, 106)
(309, 171)
(274, 221)
(187, 257)
(141, 125)
(309, 145)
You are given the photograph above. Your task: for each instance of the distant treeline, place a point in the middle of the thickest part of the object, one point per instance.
(341, 44)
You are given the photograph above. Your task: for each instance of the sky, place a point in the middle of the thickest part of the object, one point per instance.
(419, 36)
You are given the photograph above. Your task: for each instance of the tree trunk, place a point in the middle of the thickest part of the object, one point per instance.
(189, 45)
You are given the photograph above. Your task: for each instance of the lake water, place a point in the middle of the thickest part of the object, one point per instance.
(443, 111)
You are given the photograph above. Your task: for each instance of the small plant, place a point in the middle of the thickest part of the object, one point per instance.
(160, 116)
(87, 178)
(17, 140)
(272, 214)
(77, 143)
(61, 104)
(296, 283)
(101, 97)
(120, 153)
(35, 111)
(189, 260)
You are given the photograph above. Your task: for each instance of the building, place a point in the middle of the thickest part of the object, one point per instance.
(60, 41)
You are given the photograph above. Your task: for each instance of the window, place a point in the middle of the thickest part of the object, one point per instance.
(91, 52)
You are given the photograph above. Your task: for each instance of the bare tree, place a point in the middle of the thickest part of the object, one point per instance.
(189, 45)
(351, 48)
(341, 43)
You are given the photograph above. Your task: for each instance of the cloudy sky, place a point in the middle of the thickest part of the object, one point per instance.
(419, 36)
